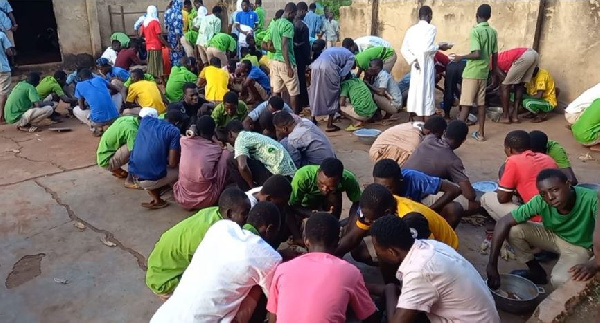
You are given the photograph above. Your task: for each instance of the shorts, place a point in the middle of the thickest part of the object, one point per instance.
(170, 178)
(521, 70)
(280, 78)
(5, 81)
(473, 92)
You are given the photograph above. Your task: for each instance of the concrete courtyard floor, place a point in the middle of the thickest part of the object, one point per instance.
(74, 241)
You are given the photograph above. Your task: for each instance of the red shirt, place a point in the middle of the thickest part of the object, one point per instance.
(508, 57)
(520, 172)
(441, 61)
(126, 58)
(151, 33)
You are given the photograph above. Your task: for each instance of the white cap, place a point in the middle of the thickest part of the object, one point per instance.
(148, 112)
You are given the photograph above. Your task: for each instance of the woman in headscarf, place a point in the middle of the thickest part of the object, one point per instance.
(151, 30)
(174, 24)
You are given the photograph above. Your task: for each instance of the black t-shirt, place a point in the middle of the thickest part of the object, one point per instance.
(190, 109)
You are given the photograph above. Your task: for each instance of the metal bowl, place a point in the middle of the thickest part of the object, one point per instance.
(527, 291)
(494, 113)
(367, 136)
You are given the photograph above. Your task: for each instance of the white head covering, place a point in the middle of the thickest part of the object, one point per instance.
(148, 112)
(151, 15)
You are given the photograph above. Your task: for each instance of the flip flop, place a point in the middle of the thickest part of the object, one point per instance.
(154, 206)
(477, 137)
(30, 129)
(131, 185)
(334, 129)
(352, 127)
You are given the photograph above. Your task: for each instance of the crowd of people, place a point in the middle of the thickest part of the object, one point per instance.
(170, 107)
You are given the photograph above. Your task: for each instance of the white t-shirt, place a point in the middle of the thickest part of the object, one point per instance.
(226, 265)
(370, 41)
(584, 100)
(440, 282)
(250, 194)
(111, 55)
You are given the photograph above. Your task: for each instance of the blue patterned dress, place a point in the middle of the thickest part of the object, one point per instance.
(174, 24)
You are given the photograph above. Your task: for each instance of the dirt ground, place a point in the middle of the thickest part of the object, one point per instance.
(74, 241)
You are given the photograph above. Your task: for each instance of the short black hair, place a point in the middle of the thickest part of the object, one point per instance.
(84, 73)
(234, 126)
(302, 6)
(33, 78)
(264, 214)
(279, 13)
(60, 75)
(518, 140)
(457, 130)
(215, 61)
(246, 63)
(290, 7)
(425, 11)
(551, 173)
(187, 2)
(258, 2)
(265, 120)
(348, 43)
(377, 62)
(115, 41)
(189, 85)
(84, 60)
(277, 186)
(217, 9)
(484, 11)
(418, 225)
(436, 124)
(322, 229)
(312, 6)
(276, 102)
(139, 73)
(231, 197)
(134, 43)
(246, 1)
(391, 231)
(231, 97)
(332, 167)
(387, 168)
(205, 125)
(376, 198)
(538, 141)
(282, 118)
(176, 115)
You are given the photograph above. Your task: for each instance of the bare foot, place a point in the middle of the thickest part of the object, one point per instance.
(516, 120)
(595, 147)
(505, 120)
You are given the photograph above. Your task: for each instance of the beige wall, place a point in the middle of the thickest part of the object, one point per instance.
(568, 30)
(75, 32)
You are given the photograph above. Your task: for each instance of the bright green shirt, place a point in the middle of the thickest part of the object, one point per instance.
(484, 39)
(266, 150)
(558, 153)
(360, 97)
(223, 42)
(260, 12)
(147, 77)
(364, 58)
(179, 76)
(222, 118)
(283, 28)
(122, 38)
(191, 36)
(121, 132)
(252, 59)
(576, 228)
(20, 99)
(586, 129)
(173, 253)
(49, 85)
(305, 188)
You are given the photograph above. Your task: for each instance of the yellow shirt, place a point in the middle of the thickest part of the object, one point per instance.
(186, 23)
(216, 82)
(543, 81)
(264, 61)
(146, 94)
(440, 229)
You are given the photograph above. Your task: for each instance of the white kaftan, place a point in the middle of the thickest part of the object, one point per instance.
(419, 47)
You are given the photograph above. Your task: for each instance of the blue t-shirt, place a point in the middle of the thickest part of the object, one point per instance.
(417, 185)
(97, 96)
(5, 44)
(248, 18)
(118, 72)
(261, 78)
(5, 9)
(154, 139)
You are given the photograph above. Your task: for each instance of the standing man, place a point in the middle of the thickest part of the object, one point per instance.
(483, 42)
(418, 49)
(283, 64)
(302, 50)
(313, 21)
(5, 70)
(248, 18)
(331, 29)
(207, 27)
(8, 23)
(260, 12)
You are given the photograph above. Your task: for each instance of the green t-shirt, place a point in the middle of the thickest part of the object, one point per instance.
(260, 12)
(577, 227)
(283, 28)
(223, 42)
(360, 96)
(173, 253)
(20, 99)
(179, 76)
(305, 188)
(121, 132)
(147, 77)
(586, 129)
(364, 58)
(191, 36)
(49, 85)
(484, 39)
(558, 153)
(122, 38)
(252, 59)
(222, 118)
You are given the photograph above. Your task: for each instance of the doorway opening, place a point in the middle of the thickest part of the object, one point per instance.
(36, 39)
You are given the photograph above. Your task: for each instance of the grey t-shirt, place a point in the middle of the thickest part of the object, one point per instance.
(434, 157)
(386, 81)
(255, 114)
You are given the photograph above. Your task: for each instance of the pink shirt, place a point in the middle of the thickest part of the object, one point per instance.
(318, 287)
(439, 281)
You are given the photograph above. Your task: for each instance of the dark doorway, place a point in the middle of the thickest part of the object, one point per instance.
(36, 39)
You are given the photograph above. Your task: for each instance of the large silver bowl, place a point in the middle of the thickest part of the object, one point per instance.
(527, 291)
(494, 113)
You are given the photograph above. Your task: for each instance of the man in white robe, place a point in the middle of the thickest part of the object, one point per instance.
(418, 48)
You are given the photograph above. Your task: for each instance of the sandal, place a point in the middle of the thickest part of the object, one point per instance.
(155, 206)
(477, 136)
(334, 128)
(539, 118)
(132, 185)
(352, 127)
(30, 129)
